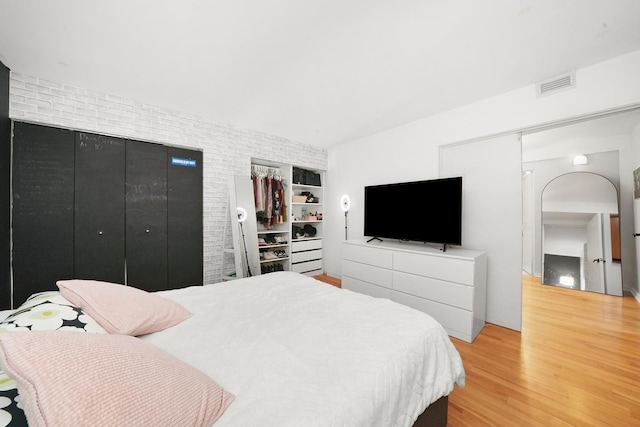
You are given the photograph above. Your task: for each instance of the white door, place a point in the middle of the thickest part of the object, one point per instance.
(636, 231)
(491, 171)
(595, 281)
(527, 222)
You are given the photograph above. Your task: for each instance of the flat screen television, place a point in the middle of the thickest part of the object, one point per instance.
(427, 211)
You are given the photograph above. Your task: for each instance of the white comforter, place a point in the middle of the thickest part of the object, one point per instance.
(298, 352)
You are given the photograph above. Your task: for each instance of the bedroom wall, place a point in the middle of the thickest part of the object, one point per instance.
(227, 151)
(412, 152)
(635, 159)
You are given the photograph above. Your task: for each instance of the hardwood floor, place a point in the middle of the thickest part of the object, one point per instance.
(575, 363)
(330, 280)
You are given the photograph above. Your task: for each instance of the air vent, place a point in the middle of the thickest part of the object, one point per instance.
(557, 84)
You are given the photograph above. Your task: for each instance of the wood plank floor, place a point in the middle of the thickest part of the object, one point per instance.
(575, 363)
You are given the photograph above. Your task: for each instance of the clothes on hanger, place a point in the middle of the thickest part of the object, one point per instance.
(269, 191)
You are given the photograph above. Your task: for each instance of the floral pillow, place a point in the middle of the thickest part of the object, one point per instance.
(44, 311)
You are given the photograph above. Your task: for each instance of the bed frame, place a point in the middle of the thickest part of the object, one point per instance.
(435, 415)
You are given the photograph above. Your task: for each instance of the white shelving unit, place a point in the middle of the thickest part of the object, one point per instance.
(306, 247)
(274, 250)
(288, 245)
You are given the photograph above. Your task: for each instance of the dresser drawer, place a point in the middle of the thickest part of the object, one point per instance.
(367, 273)
(449, 293)
(306, 256)
(365, 255)
(439, 267)
(305, 267)
(457, 322)
(366, 288)
(306, 245)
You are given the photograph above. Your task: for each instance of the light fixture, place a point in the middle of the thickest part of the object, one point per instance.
(345, 204)
(242, 216)
(580, 159)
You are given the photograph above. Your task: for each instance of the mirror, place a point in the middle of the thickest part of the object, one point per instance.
(245, 233)
(580, 234)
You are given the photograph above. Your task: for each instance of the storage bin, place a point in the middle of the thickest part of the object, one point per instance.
(299, 199)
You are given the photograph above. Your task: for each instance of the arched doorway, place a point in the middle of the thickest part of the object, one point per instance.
(580, 236)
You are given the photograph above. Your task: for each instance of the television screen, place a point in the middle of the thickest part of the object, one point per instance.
(423, 211)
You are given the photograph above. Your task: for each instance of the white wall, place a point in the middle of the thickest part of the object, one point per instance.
(635, 161)
(412, 151)
(565, 240)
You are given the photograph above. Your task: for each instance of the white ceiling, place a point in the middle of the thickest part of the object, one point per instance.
(318, 72)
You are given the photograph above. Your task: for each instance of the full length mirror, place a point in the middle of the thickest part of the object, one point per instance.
(580, 234)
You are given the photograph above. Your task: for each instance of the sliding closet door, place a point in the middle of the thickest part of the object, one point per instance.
(99, 208)
(491, 171)
(42, 186)
(5, 191)
(146, 215)
(185, 217)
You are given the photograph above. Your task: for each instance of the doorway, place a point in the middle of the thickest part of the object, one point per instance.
(546, 154)
(578, 239)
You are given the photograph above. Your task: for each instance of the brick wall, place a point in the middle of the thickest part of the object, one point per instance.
(227, 151)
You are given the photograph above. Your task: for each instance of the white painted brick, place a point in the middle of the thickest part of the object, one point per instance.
(50, 111)
(227, 151)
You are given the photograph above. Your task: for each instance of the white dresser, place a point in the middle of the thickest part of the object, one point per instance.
(306, 256)
(450, 286)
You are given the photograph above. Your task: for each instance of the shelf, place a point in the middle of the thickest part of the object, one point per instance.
(266, 261)
(276, 245)
(297, 221)
(273, 232)
(302, 239)
(306, 186)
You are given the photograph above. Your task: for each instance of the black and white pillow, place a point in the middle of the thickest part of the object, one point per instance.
(44, 311)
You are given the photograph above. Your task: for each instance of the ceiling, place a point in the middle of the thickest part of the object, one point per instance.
(318, 72)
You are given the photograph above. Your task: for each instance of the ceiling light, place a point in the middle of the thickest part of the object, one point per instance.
(580, 159)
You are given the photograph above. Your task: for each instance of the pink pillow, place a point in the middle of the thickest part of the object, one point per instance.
(123, 309)
(71, 379)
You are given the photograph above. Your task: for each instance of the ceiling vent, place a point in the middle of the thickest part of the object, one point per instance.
(556, 84)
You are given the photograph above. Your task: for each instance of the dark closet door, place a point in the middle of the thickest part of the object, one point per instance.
(43, 185)
(99, 208)
(5, 191)
(146, 213)
(185, 217)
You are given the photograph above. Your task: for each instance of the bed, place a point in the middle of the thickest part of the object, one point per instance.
(280, 349)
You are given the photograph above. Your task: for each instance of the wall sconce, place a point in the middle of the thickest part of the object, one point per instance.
(580, 159)
(345, 204)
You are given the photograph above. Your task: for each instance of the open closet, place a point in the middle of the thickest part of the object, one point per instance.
(284, 222)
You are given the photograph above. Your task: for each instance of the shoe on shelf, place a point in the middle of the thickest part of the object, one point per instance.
(269, 255)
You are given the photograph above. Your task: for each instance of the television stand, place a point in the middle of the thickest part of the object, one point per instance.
(374, 238)
(444, 247)
(451, 286)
